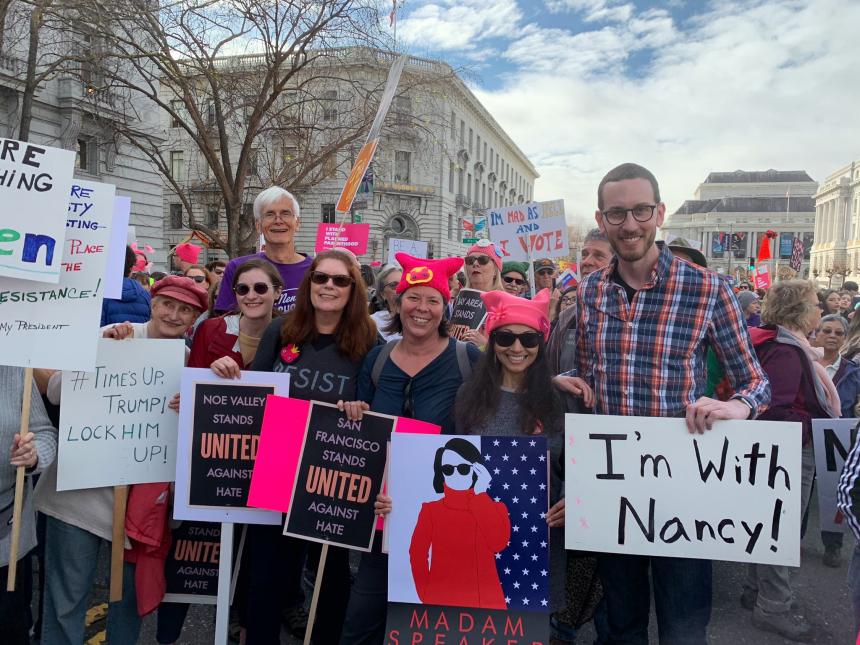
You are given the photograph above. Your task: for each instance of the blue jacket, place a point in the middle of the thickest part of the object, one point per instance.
(847, 381)
(132, 307)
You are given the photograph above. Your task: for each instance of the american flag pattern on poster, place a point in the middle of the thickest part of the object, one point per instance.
(519, 467)
(796, 255)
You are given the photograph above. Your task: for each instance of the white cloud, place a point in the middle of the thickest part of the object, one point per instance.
(458, 24)
(595, 10)
(770, 84)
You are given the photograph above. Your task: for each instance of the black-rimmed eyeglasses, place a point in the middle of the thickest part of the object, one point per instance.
(641, 213)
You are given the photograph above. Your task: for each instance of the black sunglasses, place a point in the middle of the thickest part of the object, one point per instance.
(482, 259)
(463, 469)
(259, 287)
(545, 271)
(515, 281)
(197, 278)
(318, 277)
(528, 339)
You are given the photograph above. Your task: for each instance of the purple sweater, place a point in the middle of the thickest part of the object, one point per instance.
(792, 389)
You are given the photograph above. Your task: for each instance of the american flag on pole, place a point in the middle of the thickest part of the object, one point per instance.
(392, 17)
(796, 255)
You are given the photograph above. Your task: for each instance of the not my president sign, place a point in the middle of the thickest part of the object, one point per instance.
(648, 486)
(340, 472)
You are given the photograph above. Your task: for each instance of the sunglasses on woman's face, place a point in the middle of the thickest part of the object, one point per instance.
(198, 278)
(342, 281)
(515, 281)
(463, 469)
(390, 285)
(482, 259)
(528, 339)
(259, 287)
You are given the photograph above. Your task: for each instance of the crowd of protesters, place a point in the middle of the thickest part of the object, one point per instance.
(378, 339)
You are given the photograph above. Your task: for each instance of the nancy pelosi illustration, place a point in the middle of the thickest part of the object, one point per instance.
(455, 540)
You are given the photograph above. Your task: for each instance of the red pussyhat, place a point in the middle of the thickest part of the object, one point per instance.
(504, 308)
(421, 272)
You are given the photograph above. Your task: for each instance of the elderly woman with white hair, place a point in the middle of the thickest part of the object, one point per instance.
(276, 216)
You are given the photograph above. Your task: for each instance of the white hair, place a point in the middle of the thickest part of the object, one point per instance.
(271, 195)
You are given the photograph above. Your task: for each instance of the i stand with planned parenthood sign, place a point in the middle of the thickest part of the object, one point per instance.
(340, 473)
(647, 486)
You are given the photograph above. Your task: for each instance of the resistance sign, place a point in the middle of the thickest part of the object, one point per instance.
(647, 486)
(340, 472)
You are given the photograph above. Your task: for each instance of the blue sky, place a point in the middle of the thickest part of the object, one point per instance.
(683, 87)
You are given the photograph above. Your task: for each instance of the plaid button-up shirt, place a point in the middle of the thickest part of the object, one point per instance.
(647, 357)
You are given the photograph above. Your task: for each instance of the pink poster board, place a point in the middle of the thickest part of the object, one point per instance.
(352, 237)
(762, 277)
(284, 423)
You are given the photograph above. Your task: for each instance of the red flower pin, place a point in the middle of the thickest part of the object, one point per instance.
(290, 353)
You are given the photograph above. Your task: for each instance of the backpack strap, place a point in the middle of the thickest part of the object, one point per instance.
(379, 363)
(463, 361)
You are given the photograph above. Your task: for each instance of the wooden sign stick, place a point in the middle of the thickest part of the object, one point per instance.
(19, 484)
(117, 547)
(222, 606)
(315, 598)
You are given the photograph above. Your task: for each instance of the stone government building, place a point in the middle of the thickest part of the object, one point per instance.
(730, 212)
(424, 186)
(68, 114)
(836, 252)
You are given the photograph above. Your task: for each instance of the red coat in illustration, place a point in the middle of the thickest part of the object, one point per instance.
(453, 549)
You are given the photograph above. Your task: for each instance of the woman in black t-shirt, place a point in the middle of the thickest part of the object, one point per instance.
(321, 343)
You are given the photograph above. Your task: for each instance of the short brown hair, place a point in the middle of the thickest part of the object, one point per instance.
(627, 171)
(356, 331)
(788, 304)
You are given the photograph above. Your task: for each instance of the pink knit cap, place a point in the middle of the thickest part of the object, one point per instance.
(188, 252)
(504, 308)
(421, 272)
(487, 248)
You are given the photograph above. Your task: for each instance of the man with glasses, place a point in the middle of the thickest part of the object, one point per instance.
(596, 253)
(645, 316)
(545, 274)
(276, 217)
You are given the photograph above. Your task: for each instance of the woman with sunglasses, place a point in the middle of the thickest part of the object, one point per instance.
(228, 344)
(386, 297)
(417, 376)
(515, 278)
(483, 266)
(199, 274)
(512, 394)
(321, 343)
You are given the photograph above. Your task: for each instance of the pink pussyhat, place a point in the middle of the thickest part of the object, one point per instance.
(188, 252)
(421, 272)
(504, 308)
(487, 248)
